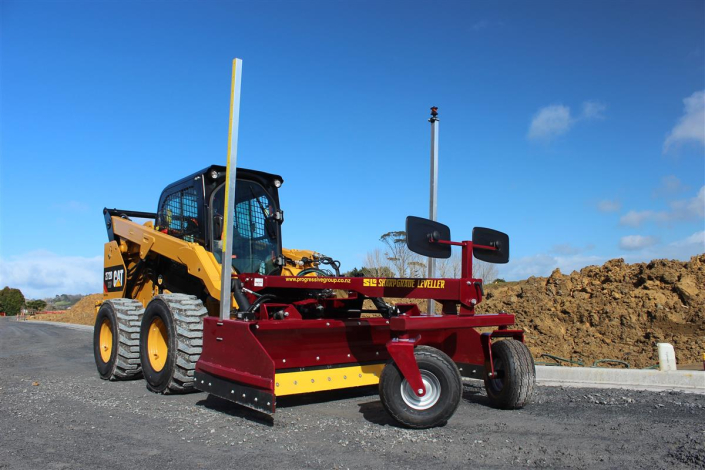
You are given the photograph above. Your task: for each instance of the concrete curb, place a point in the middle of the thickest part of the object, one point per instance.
(635, 379)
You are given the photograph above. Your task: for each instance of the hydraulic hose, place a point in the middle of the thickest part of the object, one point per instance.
(243, 305)
(317, 271)
(386, 309)
(262, 299)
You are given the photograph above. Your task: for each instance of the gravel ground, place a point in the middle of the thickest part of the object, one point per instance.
(56, 413)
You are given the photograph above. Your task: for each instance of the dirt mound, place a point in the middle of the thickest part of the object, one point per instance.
(615, 311)
(82, 312)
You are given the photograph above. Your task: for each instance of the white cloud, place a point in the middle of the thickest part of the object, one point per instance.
(697, 240)
(568, 249)
(568, 264)
(555, 120)
(636, 218)
(687, 209)
(478, 25)
(485, 24)
(550, 122)
(40, 274)
(669, 185)
(691, 208)
(593, 110)
(565, 249)
(542, 265)
(636, 242)
(691, 126)
(521, 268)
(607, 205)
(644, 249)
(681, 250)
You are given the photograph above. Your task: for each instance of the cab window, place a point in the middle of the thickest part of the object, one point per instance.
(254, 233)
(178, 215)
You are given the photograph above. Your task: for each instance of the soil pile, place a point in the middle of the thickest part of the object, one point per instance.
(82, 312)
(615, 311)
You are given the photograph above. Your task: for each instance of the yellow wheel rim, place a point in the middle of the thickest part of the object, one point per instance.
(157, 344)
(106, 340)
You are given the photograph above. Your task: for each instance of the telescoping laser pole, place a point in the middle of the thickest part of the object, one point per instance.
(433, 209)
(230, 179)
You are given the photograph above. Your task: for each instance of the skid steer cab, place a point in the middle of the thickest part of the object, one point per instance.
(297, 325)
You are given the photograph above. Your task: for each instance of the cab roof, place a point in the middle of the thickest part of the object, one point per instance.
(242, 173)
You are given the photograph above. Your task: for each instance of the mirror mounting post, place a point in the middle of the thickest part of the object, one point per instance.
(466, 263)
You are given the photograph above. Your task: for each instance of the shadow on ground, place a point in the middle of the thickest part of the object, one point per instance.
(374, 413)
(476, 394)
(221, 405)
(233, 409)
(371, 410)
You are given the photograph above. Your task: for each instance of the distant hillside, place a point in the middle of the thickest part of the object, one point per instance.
(62, 301)
(82, 312)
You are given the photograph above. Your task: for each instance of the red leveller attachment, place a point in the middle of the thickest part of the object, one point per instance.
(298, 342)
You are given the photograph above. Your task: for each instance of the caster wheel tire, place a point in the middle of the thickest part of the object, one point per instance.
(443, 385)
(513, 387)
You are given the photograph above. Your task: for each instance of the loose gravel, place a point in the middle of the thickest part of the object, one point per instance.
(56, 413)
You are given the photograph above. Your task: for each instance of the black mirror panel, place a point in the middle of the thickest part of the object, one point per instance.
(488, 237)
(420, 232)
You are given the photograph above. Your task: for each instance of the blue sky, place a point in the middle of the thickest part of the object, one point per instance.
(576, 127)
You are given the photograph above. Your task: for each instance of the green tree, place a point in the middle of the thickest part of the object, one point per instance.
(376, 264)
(417, 269)
(11, 301)
(355, 272)
(35, 305)
(381, 271)
(405, 263)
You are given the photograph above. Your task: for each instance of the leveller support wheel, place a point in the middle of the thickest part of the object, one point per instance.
(171, 341)
(443, 384)
(513, 386)
(116, 339)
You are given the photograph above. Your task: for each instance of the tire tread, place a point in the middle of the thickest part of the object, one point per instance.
(187, 312)
(520, 379)
(128, 313)
(392, 402)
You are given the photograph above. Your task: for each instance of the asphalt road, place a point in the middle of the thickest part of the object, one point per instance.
(56, 413)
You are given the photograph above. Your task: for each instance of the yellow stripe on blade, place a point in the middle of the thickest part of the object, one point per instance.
(291, 383)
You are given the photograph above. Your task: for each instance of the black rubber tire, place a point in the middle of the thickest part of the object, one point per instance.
(183, 317)
(430, 360)
(125, 317)
(516, 375)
